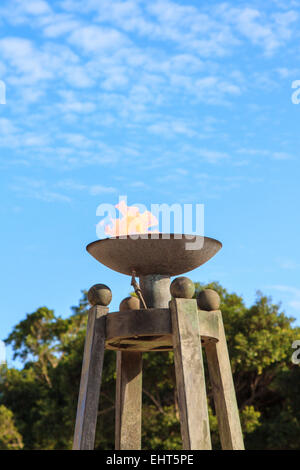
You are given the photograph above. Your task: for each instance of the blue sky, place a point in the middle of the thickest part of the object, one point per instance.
(162, 101)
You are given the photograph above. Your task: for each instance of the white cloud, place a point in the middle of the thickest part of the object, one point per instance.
(7, 127)
(212, 156)
(27, 61)
(93, 189)
(58, 25)
(29, 95)
(128, 65)
(295, 304)
(248, 23)
(186, 26)
(262, 30)
(70, 104)
(34, 7)
(281, 156)
(52, 192)
(14, 137)
(97, 39)
(30, 65)
(265, 153)
(20, 11)
(37, 189)
(139, 185)
(293, 294)
(77, 140)
(286, 263)
(284, 22)
(116, 79)
(169, 128)
(97, 189)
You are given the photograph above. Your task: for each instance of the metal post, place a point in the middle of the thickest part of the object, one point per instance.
(156, 290)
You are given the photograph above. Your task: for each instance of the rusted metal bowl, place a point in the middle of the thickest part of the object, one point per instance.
(170, 254)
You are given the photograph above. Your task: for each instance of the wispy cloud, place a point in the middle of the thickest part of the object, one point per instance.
(134, 65)
(169, 128)
(292, 292)
(95, 39)
(93, 189)
(37, 189)
(287, 263)
(264, 153)
(212, 156)
(60, 191)
(267, 31)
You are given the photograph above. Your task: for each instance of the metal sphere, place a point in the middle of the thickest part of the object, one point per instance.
(129, 303)
(99, 294)
(182, 287)
(208, 299)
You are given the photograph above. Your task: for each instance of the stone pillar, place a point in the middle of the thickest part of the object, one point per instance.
(156, 290)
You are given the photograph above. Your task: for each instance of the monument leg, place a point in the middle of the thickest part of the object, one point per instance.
(128, 424)
(223, 392)
(190, 378)
(91, 374)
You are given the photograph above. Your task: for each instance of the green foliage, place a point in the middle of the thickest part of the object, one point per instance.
(249, 419)
(10, 438)
(38, 403)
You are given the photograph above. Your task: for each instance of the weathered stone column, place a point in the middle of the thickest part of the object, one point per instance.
(156, 290)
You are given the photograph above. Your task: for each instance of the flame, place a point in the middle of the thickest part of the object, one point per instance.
(132, 222)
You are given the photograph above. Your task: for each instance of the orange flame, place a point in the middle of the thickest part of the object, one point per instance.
(132, 222)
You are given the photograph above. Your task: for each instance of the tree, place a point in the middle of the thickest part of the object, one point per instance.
(43, 395)
(10, 438)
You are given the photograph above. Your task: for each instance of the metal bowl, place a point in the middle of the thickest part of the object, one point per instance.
(170, 254)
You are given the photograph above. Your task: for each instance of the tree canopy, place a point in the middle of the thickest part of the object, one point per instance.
(38, 402)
